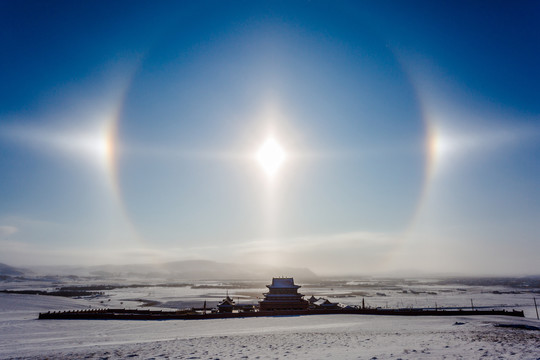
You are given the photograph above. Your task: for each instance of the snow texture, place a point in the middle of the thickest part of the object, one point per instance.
(296, 337)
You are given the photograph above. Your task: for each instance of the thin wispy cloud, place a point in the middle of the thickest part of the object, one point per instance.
(7, 230)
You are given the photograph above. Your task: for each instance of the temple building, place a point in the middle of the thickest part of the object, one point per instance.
(283, 295)
(226, 305)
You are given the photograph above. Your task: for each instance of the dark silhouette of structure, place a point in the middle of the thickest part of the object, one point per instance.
(283, 295)
(227, 305)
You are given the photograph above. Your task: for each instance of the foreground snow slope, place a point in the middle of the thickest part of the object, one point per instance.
(304, 337)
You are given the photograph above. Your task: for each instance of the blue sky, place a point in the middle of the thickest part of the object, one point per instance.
(128, 133)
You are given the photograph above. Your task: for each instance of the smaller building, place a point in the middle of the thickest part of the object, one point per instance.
(327, 305)
(323, 304)
(227, 305)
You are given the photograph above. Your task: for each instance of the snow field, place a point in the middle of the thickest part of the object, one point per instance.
(296, 337)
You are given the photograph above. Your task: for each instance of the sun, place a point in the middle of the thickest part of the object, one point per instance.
(271, 156)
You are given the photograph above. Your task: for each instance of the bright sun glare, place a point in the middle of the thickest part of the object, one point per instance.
(270, 156)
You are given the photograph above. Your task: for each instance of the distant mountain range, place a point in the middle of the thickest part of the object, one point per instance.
(178, 270)
(6, 270)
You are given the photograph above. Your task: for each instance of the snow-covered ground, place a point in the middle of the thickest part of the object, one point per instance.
(297, 337)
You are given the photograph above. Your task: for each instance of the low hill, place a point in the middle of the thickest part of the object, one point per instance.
(185, 270)
(6, 270)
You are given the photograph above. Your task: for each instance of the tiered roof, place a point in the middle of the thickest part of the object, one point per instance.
(283, 295)
(283, 283)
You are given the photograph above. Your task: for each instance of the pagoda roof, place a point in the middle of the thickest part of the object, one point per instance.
(227, 301)
(283, 283)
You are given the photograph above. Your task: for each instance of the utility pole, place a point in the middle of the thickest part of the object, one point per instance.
(472, 305)
(536, 307)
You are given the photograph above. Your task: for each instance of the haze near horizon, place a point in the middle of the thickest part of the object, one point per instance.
(347, 138)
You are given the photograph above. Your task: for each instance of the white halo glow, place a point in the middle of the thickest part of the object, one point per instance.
(271, 156)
